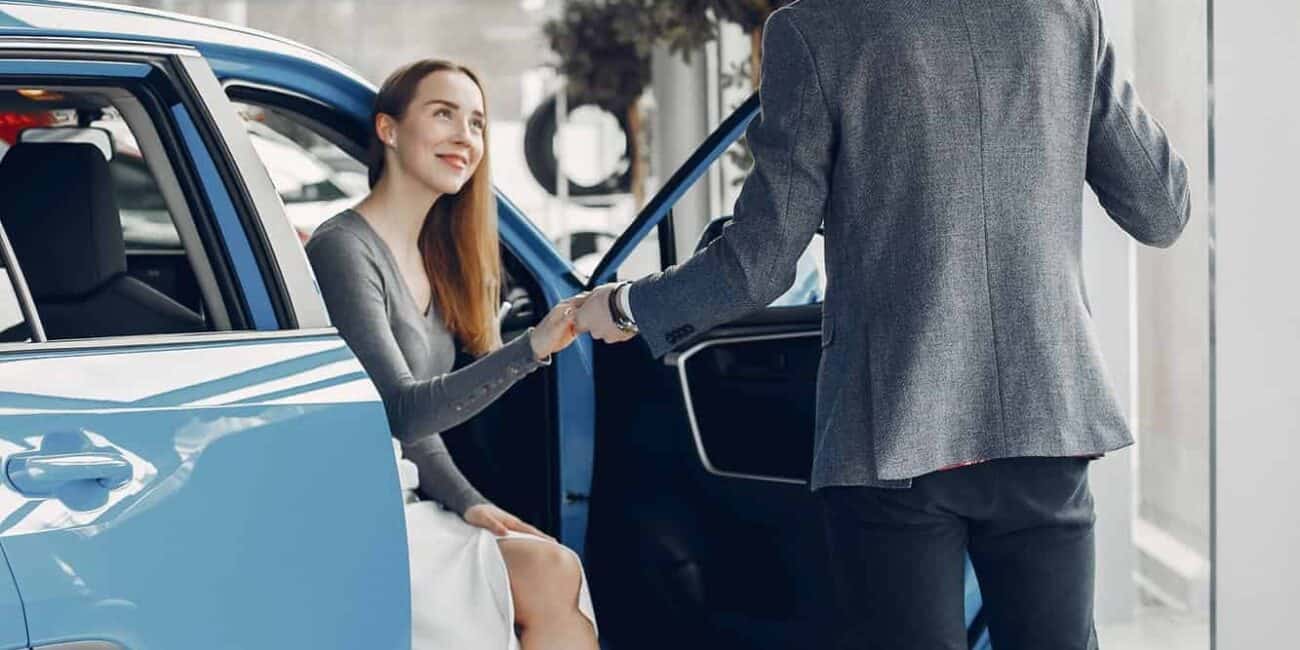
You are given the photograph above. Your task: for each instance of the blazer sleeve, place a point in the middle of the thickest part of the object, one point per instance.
(1138, 177)
(779, 209)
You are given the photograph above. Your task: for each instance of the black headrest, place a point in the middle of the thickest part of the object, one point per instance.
(61, 217)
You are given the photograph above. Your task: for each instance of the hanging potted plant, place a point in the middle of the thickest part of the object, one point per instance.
(604, 56)
(750, 15)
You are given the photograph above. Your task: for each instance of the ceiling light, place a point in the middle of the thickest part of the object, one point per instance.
(40, 94)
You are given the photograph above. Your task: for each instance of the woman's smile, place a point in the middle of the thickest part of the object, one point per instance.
(454, 160)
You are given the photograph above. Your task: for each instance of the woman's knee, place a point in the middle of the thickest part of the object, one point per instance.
(544, 575)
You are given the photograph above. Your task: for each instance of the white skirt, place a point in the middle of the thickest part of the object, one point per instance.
(460, 591)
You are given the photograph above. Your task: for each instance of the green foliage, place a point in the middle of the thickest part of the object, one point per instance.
(604, 45)
(684, 26)
(604, 50)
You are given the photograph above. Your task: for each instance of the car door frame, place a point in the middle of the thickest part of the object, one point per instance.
(243, 237)
(250, 264)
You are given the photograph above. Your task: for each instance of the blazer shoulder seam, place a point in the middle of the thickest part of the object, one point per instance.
(817, 68)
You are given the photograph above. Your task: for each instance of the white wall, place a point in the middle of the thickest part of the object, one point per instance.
(1169, 65)
(1257, 296)
(681, 123)
(1108, 274)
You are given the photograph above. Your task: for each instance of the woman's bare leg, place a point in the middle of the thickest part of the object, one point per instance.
(545, 579)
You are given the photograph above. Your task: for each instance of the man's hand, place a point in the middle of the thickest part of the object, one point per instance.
(594, 317)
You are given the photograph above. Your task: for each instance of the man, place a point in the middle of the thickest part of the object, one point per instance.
(945, 145)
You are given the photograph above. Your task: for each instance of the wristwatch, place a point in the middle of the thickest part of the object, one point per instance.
(621, 319)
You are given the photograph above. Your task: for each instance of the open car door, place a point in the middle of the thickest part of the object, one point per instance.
(703, 529)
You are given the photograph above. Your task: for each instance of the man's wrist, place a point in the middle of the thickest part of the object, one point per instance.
(624, 302)
(617, 313)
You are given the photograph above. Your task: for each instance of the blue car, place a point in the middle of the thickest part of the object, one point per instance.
(192, 458)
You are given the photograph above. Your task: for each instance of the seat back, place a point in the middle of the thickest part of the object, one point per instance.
(63, 223)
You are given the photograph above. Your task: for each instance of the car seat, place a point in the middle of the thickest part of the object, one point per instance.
(63, 223)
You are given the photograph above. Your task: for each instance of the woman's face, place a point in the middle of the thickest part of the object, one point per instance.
(439, 140)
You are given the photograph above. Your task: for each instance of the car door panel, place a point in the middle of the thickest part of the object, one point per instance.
(725, 558)
(13, 626)
(261, 485)
(749, 399)
(702, 465)
(215, 490)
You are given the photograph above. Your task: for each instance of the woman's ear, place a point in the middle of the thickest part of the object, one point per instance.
(386, 129)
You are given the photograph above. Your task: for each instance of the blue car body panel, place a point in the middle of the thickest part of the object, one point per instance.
(227, 444)
(145, 480)
(13, 623)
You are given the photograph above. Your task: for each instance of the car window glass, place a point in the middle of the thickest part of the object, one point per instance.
(85, 285)
(146, 222)
(315, 178)
(11, 314)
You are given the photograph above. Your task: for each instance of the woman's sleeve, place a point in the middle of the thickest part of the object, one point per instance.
(418, 410)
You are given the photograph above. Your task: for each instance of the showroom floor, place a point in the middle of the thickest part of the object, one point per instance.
(1157, 628)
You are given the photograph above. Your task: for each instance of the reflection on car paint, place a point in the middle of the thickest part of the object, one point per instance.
(219, 377)
(21, 514)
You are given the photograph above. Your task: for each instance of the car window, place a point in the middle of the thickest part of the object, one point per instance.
(11, 313)
(146, 222)
(63, 191)
(145, 219)
(314, 177)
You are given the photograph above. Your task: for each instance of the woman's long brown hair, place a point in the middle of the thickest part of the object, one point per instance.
(459, 238)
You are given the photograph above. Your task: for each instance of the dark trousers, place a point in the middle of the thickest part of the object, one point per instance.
(899, 557)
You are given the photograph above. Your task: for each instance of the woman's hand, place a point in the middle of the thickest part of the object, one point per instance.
(499, 522)
(558, 329)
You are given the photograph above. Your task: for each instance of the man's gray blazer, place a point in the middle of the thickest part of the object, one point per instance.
(945, 145)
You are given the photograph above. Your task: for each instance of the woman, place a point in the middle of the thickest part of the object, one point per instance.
(409, 275)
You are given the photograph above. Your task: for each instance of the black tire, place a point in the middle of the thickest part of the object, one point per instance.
(539, 153)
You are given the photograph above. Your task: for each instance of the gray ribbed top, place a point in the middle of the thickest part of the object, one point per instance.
(409, 354)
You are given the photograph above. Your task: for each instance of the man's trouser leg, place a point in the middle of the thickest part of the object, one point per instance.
(899, 557)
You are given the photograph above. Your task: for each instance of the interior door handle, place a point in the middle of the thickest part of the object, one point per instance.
(42, 474)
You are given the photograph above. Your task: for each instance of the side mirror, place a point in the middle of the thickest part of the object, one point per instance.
(98, 137)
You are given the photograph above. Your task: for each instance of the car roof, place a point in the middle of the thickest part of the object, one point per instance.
(235, 53)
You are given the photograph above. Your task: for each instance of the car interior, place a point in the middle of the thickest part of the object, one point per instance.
(103, 234)
(76, 271)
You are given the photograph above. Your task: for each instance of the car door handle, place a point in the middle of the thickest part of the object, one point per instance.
(43, 474)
